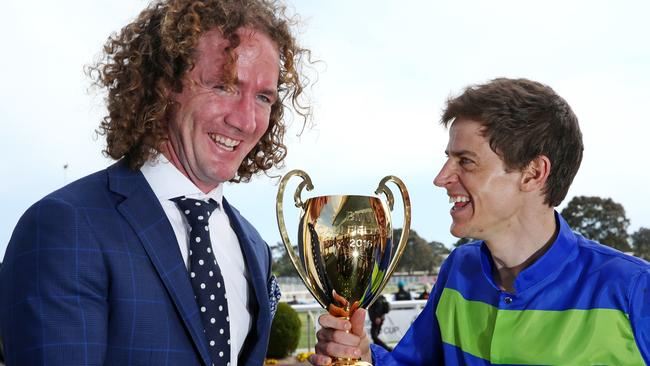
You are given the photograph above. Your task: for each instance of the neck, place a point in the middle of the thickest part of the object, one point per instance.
(168, 152)
(521, 246)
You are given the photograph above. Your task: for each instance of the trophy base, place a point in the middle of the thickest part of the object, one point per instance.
(350, 362)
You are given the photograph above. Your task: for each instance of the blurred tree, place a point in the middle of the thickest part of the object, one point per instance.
(440, 252)
(599, 219)
(285, 332)
(419, 255)
(282, 266)
(641, 243)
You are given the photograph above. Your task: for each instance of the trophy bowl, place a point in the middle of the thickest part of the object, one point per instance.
(345, 245)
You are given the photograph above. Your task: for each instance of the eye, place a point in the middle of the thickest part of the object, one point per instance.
(465, 161)
(264, 98)
(267, 97)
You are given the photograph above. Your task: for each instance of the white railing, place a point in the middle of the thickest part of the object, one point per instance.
(396, 323)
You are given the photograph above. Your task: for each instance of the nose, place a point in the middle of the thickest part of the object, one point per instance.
(446, 176)
(241, 114)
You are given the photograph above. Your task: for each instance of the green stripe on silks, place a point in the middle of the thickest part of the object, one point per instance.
(537, 337)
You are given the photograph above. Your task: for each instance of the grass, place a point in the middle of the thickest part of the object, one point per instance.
(307, 330)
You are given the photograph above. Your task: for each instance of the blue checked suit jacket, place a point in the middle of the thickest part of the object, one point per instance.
(93, 276)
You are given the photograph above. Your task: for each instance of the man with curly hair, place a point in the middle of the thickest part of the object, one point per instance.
(145, 262)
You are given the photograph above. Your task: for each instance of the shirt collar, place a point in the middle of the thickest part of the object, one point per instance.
(168, 182)
(549, 263)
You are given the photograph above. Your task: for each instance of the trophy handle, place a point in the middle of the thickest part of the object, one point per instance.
(401, 246)
(279, 211)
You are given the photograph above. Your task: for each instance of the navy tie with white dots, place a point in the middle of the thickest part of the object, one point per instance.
(206, 278)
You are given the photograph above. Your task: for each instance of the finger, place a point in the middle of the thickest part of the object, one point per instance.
(336, 311)
(329, 321)
(357, 321)
(340, 299)
(334, 349)
(319, 360)
(344, 338)
(354, 307)
(358, 328)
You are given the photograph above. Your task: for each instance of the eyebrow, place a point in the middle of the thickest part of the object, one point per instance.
(460, 153)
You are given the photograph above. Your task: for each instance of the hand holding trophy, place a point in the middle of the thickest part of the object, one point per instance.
(345, 245)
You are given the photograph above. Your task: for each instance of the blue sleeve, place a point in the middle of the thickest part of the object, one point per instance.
(640, 313)
(422, 343)
(53, 290)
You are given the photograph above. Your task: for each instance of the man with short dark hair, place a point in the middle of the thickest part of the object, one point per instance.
(529, 290)
(146, 262)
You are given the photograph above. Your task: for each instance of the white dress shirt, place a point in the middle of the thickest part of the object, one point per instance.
(168, 182)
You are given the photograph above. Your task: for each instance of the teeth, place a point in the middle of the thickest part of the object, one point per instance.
(223, 140)
(456, 199)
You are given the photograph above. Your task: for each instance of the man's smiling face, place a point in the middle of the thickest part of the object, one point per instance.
(214, 125)
(486, 198)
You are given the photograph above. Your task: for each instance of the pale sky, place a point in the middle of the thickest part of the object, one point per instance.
(387, 68)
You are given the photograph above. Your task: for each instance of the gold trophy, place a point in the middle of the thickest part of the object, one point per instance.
(345, 246)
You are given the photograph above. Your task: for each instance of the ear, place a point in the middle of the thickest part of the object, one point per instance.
(535, 174)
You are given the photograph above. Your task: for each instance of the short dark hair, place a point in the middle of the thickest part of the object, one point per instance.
(522, 120)
(153, 53)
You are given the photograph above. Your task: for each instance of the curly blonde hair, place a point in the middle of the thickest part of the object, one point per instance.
(150, 56)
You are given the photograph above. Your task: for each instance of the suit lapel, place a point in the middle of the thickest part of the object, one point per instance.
(252, 250)
(143, 212)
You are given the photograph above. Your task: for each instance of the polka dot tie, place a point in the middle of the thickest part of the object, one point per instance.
(206, 278)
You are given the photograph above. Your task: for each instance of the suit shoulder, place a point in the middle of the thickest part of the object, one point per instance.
(67, 197)
(56, 212)
(82, 189)
(45, 225)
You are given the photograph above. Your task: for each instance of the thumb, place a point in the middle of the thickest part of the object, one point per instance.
(358, 321)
